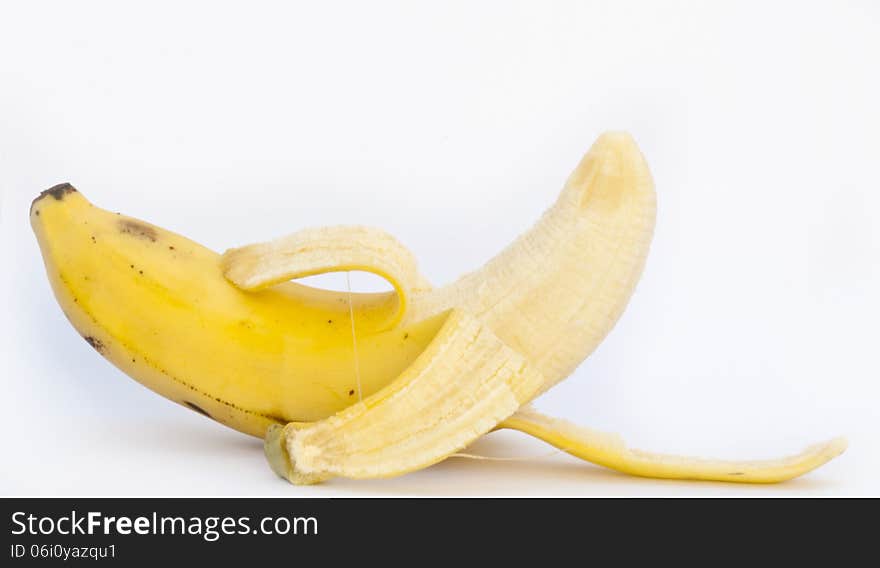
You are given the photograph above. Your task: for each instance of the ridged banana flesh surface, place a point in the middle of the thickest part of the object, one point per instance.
(557, 291)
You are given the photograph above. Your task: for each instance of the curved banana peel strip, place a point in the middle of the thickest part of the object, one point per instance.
(459, 388)
(328, 249)
(610, 451)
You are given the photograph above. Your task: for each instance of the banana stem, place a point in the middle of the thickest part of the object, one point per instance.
(276, 451)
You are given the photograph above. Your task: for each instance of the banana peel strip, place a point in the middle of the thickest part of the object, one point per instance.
(458, 389)
(321, 250)
(609, 450)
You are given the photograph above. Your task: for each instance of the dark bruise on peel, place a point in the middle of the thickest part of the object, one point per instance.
(198, 409)
(96, 343)
(129, 227)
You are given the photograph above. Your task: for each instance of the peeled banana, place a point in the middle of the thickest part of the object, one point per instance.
(374, 385)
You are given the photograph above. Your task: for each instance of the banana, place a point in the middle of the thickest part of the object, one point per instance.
(230, 337)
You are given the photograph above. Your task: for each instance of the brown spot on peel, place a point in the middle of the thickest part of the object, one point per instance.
(96, 343)
(138, 229)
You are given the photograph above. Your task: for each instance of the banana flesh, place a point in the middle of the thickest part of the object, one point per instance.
(557, 291)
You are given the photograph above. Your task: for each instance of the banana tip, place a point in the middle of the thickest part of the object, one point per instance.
(837, 446)
(615, 137)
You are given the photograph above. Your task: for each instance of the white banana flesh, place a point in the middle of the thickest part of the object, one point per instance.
(556, 291)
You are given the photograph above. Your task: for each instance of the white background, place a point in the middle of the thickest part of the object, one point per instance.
(453, 125)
